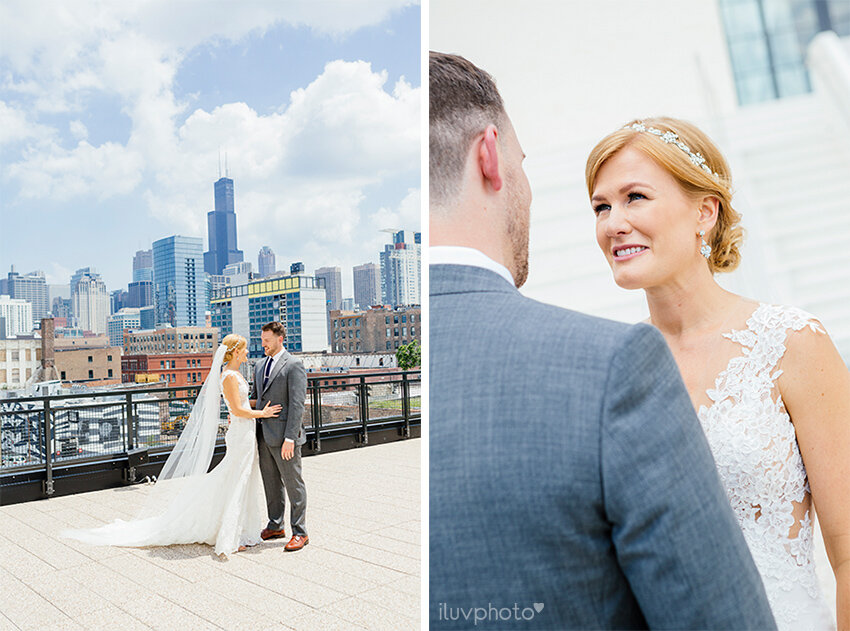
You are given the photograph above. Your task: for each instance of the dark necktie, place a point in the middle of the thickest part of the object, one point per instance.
(267, 371)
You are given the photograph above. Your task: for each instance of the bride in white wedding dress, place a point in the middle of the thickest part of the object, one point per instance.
(770, 389)
(225, 507)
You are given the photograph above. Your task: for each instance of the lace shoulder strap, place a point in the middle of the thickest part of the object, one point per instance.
(767, 331)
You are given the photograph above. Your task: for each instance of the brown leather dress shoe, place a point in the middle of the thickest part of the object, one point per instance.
(268, 533)
(296, 543)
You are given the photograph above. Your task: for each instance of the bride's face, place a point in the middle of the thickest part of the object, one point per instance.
(645, 223)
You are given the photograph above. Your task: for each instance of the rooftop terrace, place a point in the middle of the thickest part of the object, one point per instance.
(361, 569)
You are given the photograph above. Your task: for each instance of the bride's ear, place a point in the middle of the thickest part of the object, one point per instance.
(707, 210)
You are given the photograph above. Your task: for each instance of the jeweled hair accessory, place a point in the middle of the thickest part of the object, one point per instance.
(672, 138)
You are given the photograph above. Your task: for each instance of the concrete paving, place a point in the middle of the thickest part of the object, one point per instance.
(361, 569)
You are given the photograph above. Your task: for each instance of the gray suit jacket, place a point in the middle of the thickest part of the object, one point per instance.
(287, 387)
(568, 469)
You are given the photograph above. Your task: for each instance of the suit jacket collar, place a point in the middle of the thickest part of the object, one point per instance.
(281, 362)
(461, 279)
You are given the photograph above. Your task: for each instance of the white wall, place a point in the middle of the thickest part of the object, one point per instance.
(314, 320)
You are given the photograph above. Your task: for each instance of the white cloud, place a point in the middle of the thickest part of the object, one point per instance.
(303, 174)
(61, 174)
(16, 126)
(305, 170)
(78, 130)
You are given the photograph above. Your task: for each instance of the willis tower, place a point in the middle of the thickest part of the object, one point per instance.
(221, 228)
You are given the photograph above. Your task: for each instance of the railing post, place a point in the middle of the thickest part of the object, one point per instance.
(128, 413)
(405, 404)
(364, 409)
(48, 448)
(316, 414)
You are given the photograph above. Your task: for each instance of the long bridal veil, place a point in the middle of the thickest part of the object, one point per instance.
(176, 485)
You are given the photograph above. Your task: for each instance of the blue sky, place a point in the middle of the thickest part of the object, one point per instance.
(112, 116)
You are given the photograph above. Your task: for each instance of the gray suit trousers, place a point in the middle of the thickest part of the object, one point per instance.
(281, 478)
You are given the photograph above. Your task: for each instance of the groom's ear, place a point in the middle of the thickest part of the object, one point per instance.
(488, 157)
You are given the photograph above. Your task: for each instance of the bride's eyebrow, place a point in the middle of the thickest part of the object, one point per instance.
(623, 189)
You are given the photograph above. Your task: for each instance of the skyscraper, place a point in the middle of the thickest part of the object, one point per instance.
(31, 287)
(333, 285)
(143, 266)
(179, 289)
(15, 317)
(76, 276)
(367, 285)
(140, 293)
(90, 300)
(265, 261)
(401, 269)
(221, 229)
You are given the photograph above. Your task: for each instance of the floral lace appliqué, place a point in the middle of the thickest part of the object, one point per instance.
(755, 447)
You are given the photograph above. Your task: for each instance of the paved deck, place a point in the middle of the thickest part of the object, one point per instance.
(360, 570)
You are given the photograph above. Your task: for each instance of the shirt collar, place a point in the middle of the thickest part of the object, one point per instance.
(458, 255)
(277, 355)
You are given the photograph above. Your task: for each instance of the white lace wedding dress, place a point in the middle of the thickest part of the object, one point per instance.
(225, 508)
(755, 447)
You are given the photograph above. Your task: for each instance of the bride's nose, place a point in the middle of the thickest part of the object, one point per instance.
(617, 222)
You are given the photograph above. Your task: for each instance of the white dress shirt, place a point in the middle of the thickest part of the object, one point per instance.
(458, 255)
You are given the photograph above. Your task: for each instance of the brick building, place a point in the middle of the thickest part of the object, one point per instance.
(172, 340)
(375, 330)
(176, 369)
(97, 366)
(91, 341)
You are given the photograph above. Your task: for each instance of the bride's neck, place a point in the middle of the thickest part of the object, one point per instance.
(693, 306)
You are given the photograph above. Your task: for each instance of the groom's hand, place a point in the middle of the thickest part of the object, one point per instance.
(287, 450)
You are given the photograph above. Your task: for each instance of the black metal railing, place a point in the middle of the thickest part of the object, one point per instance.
(42, 433)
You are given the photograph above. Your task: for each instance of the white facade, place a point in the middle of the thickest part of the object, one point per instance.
(18, 361)
(314, 320)
(91, 304)
(17, 316)
(126, 318)
(406, 274)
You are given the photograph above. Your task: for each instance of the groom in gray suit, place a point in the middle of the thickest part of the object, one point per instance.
(571, 486)
(281, 379)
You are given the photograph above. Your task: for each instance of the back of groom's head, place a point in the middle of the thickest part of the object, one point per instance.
(463, 101)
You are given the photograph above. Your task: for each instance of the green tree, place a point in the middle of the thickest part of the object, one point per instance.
(409, 356)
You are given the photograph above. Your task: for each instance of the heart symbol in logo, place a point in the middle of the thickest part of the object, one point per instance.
(538, 607)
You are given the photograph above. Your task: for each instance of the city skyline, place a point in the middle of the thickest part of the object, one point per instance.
(112, 134)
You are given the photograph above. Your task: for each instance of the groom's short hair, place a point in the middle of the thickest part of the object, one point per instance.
(276, 328)
(463, 101)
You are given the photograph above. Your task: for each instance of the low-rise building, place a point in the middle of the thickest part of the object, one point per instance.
(375, 330)
(100, 366)
(176, 369)
(88, 341)
(176, 340)
(19, 359)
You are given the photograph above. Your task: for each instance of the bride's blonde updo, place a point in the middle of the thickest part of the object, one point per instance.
(726, 236)
(233, 342)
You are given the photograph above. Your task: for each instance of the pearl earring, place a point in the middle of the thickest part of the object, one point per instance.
(704, 249)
